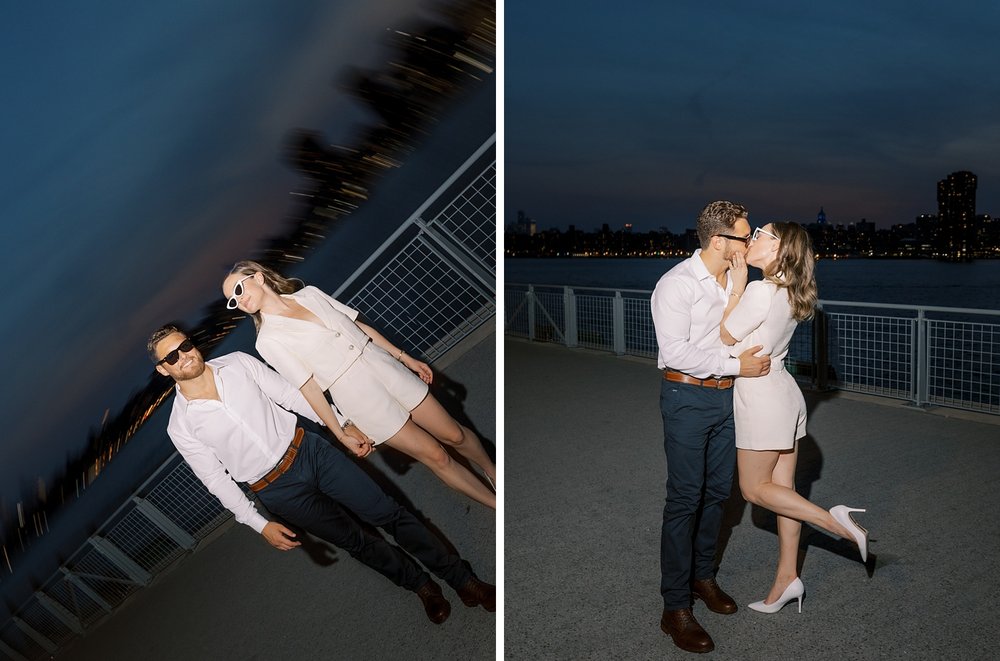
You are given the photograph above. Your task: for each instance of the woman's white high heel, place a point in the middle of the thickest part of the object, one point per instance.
(842, 514)
(795, 590)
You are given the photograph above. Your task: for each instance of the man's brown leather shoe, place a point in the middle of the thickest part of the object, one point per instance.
(685, 630)
(477, 593)
(435, 605)
(709, 591)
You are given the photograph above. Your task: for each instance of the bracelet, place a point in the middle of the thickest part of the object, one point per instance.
(732, 293)
(401, 352)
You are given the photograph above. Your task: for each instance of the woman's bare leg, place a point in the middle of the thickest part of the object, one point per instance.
(430, 415)
(758, 487)
(789, 530)
(420, 445)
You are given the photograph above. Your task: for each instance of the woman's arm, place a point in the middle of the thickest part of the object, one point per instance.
(317, 400)
(738, 274)
(420, 368)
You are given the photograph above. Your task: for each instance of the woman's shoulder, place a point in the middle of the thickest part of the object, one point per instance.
(761, 288)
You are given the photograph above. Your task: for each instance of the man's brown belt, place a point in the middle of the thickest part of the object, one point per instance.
(286, 462)
(680, 377)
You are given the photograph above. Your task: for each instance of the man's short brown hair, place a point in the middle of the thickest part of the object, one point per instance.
(157, 336)
(718, 218)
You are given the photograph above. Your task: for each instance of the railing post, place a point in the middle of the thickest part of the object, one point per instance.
(821, 350)
(921, 363)
(530, 302)
(117, 557)
(26, 628)
(618, 317)
(69, 620)
(569, 315)
(161, 521)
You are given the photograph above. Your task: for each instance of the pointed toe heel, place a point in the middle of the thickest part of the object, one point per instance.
(842, 514)
(795, 590)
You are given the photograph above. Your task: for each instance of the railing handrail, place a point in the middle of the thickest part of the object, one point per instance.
(416, 214)
(820, 303)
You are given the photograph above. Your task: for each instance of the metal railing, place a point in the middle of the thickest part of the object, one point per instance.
(429, 285)
(926, 355)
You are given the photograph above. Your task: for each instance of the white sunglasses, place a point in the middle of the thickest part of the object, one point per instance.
(232, 303)
(757, 232)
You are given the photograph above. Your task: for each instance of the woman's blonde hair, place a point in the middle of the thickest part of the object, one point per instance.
(793, 269)
(272, 279)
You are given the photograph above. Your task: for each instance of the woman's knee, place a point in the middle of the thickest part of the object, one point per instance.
(454, 435)
(750, 492)
(435, 456)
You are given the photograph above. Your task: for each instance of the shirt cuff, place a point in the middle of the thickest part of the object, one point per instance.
(257, 522)
(732, 366)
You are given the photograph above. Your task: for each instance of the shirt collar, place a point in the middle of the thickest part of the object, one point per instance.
(698, 266)
(215, 369)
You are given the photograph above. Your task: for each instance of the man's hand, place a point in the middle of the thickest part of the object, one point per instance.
(738, 272)
(751, 365)
(357, 441)
(279, 536)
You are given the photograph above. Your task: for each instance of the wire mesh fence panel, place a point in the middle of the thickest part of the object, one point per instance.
(471, 218)
(964, 365)
(640, 335)
(799, 361)
(182, 497)
(144, 542)
(515, 311)
(76, 601)
(872, 354)
(550, 320)
(104, 578)
(46, 623)
(595, 321)
(421, 299)
(20, 643)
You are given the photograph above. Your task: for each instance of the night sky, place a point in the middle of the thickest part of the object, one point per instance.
(643, 112)
(141, 157)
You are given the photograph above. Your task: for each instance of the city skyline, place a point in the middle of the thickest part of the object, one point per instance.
(646, 115)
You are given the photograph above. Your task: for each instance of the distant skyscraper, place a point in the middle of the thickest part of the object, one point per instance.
(956, 216)
(821, 217)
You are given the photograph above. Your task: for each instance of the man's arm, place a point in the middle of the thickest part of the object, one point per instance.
(283, 393)
(671, 306)
(207, 468)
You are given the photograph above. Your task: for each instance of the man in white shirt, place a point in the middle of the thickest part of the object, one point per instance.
(229, 425)
(696, 401)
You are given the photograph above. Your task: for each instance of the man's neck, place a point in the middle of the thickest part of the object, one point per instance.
(200, 387)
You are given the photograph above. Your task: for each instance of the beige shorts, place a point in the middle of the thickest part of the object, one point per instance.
(377, 393)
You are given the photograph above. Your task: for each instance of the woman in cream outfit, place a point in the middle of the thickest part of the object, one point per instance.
(318, 345)
(769, 411)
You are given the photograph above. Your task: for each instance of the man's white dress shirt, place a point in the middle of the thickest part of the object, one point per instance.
(246, 433)
(687, 306)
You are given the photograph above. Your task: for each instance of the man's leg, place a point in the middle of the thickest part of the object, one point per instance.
(340, 479)
(720, 462)
(295, 498)
(685, 432)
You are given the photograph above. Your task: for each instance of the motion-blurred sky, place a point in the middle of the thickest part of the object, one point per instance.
(642, 112)
(140, 158)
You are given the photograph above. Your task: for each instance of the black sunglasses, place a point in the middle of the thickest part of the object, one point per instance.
(175, 355)
(742, 239)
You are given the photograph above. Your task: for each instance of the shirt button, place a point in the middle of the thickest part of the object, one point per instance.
(351, 347)
(336, 334)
